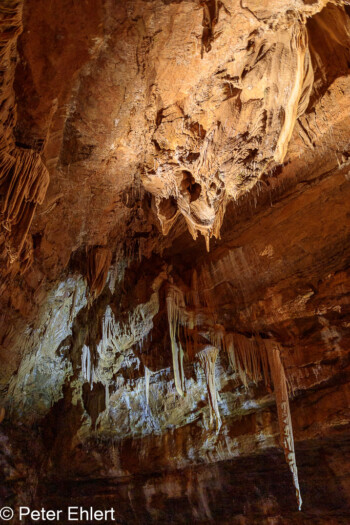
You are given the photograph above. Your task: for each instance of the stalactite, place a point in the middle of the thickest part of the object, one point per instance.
(210, 19)
(175, 303)
(98, 261)
(284, 416)
(167, 217)
(271, 90)
(257, 359)
(86, 367)
(216, 336)
(199, 222)
(73, 305)
(207, 358)
(207, 241)
(148, 374)
(248, 358)
(301, 88)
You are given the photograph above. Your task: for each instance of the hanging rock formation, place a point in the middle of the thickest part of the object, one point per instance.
(282, 399)
(265, 88)
(174, 301)
(207, 358)
(98, 262)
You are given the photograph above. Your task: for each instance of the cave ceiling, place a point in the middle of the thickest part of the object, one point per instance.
(175, 257)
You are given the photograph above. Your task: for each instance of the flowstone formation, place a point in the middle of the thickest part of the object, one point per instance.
(188, 380)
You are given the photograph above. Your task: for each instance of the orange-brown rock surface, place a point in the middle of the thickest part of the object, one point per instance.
(174, 258)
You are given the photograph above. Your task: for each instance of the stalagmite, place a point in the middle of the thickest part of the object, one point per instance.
(174, 302)
(284, 416)
(207, 358)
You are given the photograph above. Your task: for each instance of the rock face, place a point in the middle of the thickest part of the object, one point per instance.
(187, 379)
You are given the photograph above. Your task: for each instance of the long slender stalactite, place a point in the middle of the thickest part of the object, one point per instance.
(284, 416)
(207, 358)
(174, 304)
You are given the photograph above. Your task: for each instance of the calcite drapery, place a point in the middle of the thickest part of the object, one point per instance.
(23, 177)
(27, 181)
(98, 263)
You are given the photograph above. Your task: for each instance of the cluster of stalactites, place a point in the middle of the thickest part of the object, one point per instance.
(23, 176)
(254, 359)
(258, 359)
(179, 315)
(207, 359)
(26, 180)
(248, 358)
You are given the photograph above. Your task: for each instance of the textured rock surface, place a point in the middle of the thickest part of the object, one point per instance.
(135, 364)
